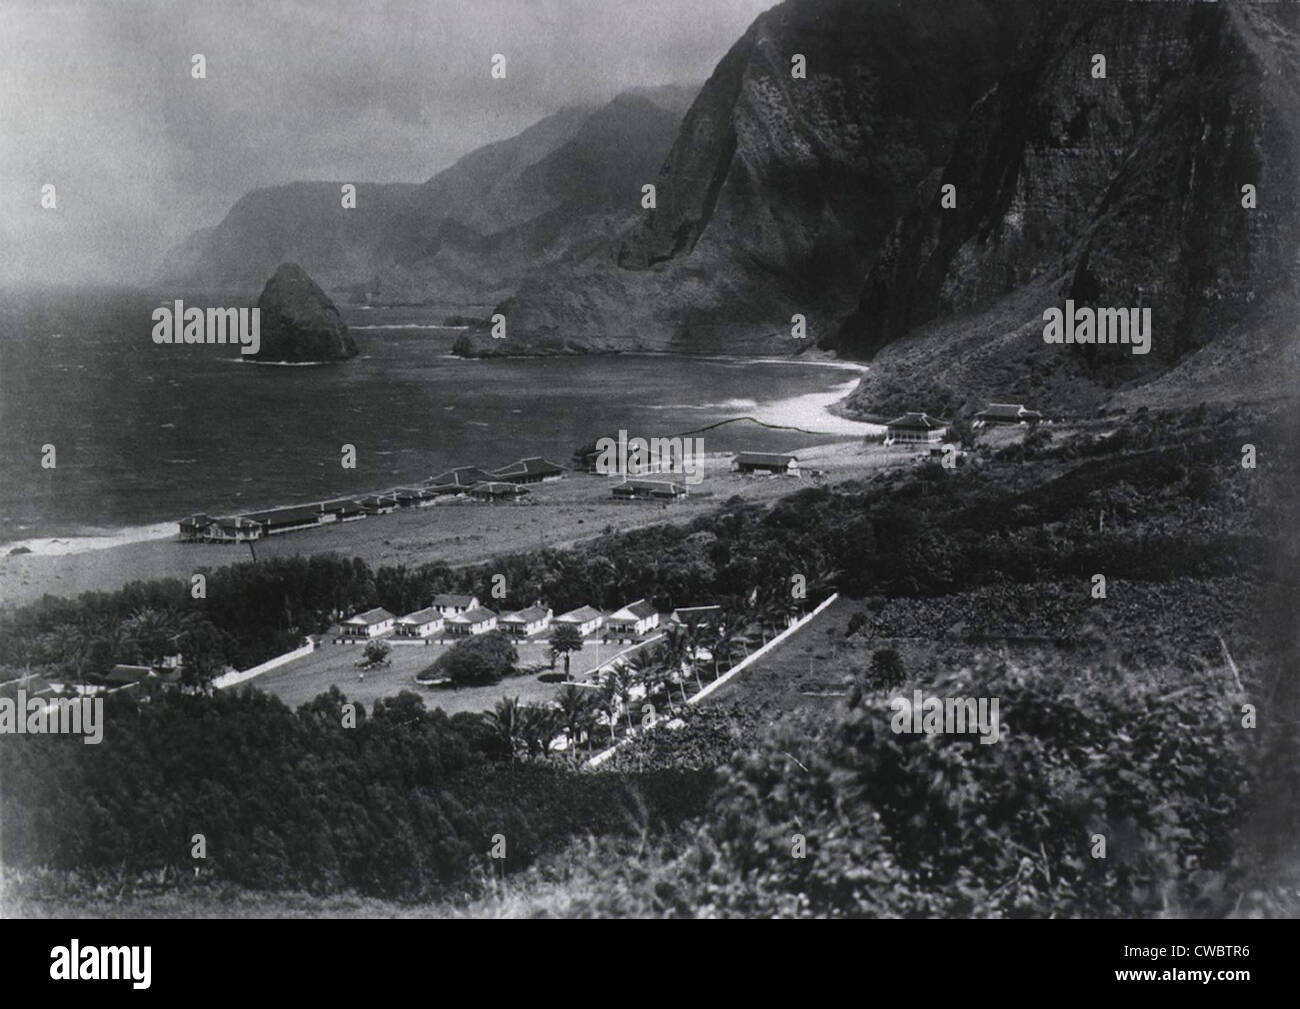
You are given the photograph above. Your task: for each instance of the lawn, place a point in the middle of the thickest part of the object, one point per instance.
(335, 665)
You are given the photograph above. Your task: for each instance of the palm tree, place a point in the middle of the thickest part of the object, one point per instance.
(564, 639)
(575, 712)
(538, 725)
(503, 722)
(609, 698)
(150, 631)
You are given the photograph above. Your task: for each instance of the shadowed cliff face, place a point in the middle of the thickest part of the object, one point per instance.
(778, 191)
(1118, 192)
(299, 323)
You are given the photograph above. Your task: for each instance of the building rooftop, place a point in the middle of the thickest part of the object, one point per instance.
(922, 421)
(1007, 411)
(463, 477)
(528, 615)
(497, 487)
(370, 617)
(284, 516)
(765, 459)
(638, 610)
(532, 466)
(652, 486)
(478, 616)
(579, 616)
(451, 599)
(424, 616)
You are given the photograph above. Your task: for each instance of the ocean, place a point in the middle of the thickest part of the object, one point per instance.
(145, 434)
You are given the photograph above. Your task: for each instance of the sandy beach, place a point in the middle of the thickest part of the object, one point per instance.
(461, 532)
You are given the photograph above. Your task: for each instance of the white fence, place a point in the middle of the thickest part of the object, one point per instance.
(739, 667)
(235, 676)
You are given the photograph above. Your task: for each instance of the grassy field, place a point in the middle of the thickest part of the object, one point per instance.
(335, 666)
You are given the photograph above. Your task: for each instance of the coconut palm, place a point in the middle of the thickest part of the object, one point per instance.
(503, 721)
(538, 725)
(150, 631)
(576, 706)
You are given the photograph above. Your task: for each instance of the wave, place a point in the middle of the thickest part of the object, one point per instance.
(57, 546)
(278, 364)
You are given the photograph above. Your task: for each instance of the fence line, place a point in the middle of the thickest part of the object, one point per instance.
(739, 667)
(236, 676)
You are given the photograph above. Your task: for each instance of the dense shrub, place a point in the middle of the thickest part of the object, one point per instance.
(475, 661)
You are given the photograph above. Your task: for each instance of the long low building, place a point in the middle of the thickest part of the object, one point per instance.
(585, 620)
(286, 520)
(649, 490)
(526, 622)
(534, 469)
(766, 462)
(370, 624)
(472, 622)
(420, 624)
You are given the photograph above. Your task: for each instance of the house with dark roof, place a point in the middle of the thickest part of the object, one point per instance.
(766, 462)
(195, 527)
(526, 622)
(459, 480)
(585, 620)
(378, 504)
(497, 490)
(534, 469)
(124, 675)
(233, 529)
(633, 620)
(697, 616)
(649, 490)
(286, 520)
(370, 624)
(477, 621)
(342, 510)
(1005, 414)
(915, 429)
(449, 604)
(420, 624)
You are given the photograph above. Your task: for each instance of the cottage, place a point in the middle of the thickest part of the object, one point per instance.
(497, 490)
(370, 624)
(457, 481)
(195, 527)
(633, 620)
(649, 490)
(534, 469)
(420, 624)
(379, 504)
(342, 510)
(477, 621)
(915, 429)
(697, 616)
(1005, 413)
(526, 622)
(125, 676)
(286, 520)
(585, 620)
(766, 462)
(234, 529)
(450, 605)
(412, 497)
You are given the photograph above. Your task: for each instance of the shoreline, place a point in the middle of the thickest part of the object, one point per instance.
(810, 413)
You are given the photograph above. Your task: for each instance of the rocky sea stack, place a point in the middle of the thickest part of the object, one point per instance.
(299, 322)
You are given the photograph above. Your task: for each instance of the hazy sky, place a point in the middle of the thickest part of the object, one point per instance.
(97, 98)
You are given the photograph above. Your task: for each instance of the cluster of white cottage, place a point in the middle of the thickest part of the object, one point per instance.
(464, 616)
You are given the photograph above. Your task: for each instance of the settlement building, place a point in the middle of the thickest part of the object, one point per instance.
(497, 490)
(697, 616)
(234, 529)
(478, 621)
(915, 429)
(286, 520)
(649, 490)
(1005, 413)
(534, 469)
(633, 620)
(420, 624)
(370, 624)
(766, 462)
(456, 481)
(585, 619)
(342, 510)
(449, 604)
(526, 622)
